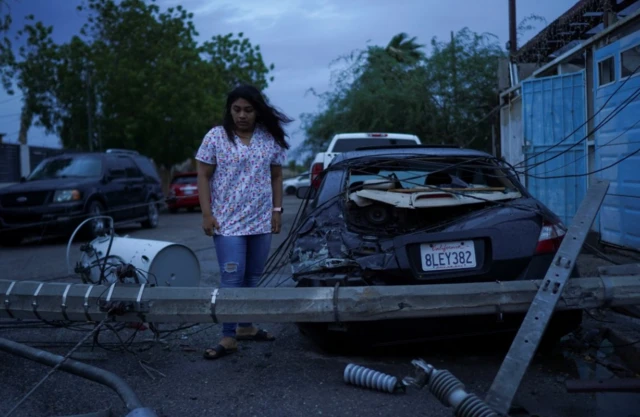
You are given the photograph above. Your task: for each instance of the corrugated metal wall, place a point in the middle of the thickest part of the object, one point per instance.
(38, 154)
(619, 138)
(553, 116)
(9, 162)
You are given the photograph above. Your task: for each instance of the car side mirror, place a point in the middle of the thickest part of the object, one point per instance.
(306, 193)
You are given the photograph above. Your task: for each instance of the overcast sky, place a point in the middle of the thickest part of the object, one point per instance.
(301, 37)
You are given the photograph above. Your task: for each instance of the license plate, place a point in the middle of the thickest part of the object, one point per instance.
(448, 255)
(188, 192)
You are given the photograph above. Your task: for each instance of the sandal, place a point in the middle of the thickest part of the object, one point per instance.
(260, 336)
(219, 350)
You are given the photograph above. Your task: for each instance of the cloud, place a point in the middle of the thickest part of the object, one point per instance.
(302, 37)
(262, 15)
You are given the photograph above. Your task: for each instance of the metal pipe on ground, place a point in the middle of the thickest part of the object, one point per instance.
(599, 385)
(92, 373)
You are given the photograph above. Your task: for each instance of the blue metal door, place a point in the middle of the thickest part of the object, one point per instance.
(616, 101)
(553, 117)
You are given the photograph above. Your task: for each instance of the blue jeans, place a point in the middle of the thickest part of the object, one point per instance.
(241, 260)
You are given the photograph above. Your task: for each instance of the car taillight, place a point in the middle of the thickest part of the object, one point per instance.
(316, 169)
(550, 237)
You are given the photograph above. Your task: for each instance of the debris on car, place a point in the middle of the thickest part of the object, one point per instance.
(367, 207)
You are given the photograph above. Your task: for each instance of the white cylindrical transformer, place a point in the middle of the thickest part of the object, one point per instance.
(155, 262)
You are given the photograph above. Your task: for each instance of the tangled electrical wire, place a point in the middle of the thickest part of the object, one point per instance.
(608, 118)
(110, 269)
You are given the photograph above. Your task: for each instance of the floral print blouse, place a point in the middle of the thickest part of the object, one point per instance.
(241, 183)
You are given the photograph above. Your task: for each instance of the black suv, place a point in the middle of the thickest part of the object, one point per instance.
(64, 190)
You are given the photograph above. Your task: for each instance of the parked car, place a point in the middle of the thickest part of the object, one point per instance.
(183, 192)
(291, 185)
(64, 190)
(345, 142)
(408, 215)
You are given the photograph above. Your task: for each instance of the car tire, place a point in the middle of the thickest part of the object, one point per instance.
(153, 215)
(333, 342)
(290, 190)
(98, 227)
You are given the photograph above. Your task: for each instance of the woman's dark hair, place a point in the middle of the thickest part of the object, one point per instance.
(266, 115)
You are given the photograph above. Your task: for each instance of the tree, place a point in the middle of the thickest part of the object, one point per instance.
(442, 98)
(403, 49)
(7, 58)
(35, 76)
(135, 77)
(463, 78)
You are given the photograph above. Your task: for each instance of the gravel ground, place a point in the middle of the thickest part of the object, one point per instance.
(289, 377)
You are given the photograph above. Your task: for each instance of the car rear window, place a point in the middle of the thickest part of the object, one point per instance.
(416, 173)
(185, 179)
(347, 145)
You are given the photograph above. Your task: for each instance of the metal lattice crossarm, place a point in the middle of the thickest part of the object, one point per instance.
(575, 25)
(548, 299)
(82, 302)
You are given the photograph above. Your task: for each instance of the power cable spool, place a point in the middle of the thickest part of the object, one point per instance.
(121, 259)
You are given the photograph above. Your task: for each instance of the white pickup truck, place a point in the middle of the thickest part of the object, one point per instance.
(345, 142)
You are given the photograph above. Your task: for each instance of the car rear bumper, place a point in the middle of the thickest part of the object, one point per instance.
(183, 201)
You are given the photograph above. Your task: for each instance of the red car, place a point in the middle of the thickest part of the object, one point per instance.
(183, 192)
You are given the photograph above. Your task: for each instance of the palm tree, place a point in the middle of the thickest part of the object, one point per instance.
(400, 54)
(404, 50)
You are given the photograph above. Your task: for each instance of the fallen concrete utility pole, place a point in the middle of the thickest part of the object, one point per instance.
(83, 302)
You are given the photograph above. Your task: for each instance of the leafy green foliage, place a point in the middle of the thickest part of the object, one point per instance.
(7, 58)
(35, 76)
(443, 97)
(134, 78)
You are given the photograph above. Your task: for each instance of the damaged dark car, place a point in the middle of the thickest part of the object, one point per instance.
(422, 215)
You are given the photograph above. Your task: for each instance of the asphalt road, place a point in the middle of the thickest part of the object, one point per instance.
(289, 377)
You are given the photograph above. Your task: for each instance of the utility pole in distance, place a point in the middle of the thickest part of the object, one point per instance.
(513, 34)
(89, 112)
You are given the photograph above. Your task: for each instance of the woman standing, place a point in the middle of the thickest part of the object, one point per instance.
(240, 190)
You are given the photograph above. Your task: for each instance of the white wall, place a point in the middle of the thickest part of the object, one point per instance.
(511, 131)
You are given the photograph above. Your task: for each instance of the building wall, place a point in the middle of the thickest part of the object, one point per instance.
(617, 138)
(511, 141)
(9, 163)
(618, 218)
